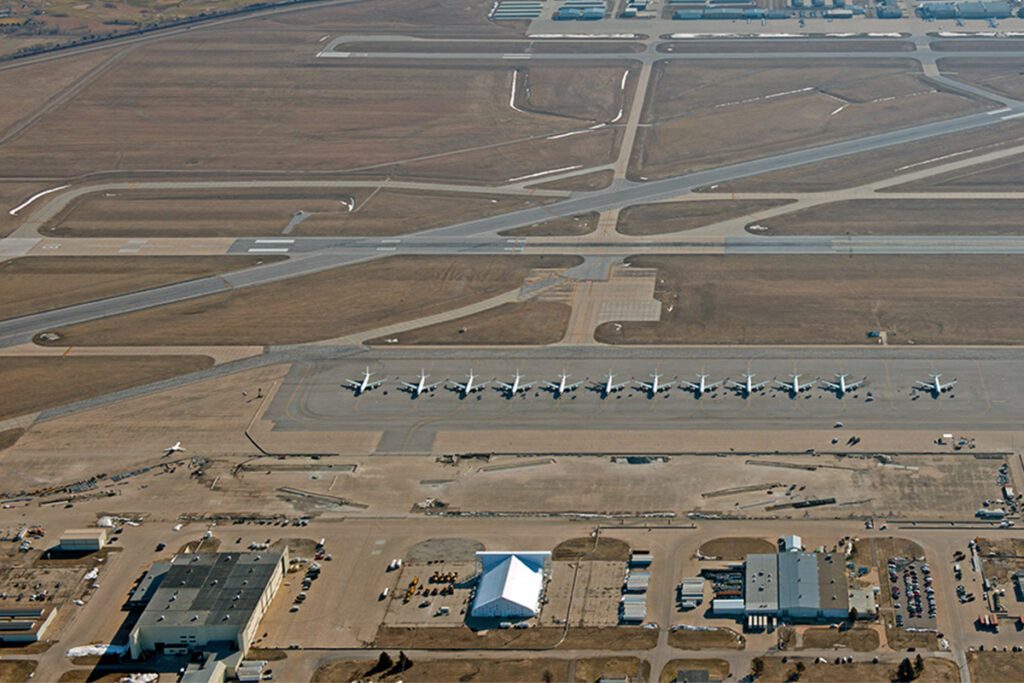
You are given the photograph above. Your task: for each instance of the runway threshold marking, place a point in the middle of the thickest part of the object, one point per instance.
(268, 250)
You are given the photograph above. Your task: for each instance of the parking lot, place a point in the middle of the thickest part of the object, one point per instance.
(913, 594)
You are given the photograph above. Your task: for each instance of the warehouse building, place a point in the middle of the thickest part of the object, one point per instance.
(25, 624)
(510, 584)
(209, 602)
(796, 586)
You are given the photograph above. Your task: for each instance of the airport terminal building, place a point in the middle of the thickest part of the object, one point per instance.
(209, 602)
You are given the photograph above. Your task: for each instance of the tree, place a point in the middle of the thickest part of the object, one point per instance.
(854, 615)
(756, 667)
(905, 671)
(800, 667)
(404, 663)
(918, 666)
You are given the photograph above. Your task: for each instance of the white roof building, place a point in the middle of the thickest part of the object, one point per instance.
(793, 543)
(510, 584)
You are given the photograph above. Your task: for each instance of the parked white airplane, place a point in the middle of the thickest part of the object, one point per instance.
(794, 387)
(609, 387)
(421, 385)
(936, 387)
(469, 387)
(175, 448)
(364, 385)
(747, 386)
(562, 386)
(701, 386)
(655, 385)
(516, 386)
(841, 387)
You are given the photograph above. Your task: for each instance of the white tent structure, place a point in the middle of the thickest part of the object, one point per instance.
(510, 584)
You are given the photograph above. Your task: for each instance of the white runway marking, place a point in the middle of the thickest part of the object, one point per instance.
(19, 207)
(268, 250)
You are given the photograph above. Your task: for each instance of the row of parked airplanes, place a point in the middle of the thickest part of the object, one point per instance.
(747, 387)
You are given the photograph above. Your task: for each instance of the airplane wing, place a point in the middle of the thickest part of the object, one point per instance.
(354, 383)
(526, 385)
(924, 385)
(947, 385)
(375, 384)
(666, 385)
(691, 385)
(854, 385)
(787, 385)
(503, 385)
(709, 387)
(645, 386)
(616, 387)
(570, 387)
(410, 385)
(552, 385)
(755, 387)
(737, 385)
(830, 385)
(458, 384)
(431, 386)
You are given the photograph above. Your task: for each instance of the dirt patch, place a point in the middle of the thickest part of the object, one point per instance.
(805, 299)
(776, 671)
(566, 226)
(16, 670)
(735, 548)
(32, 384)
(717, 668)
(606, 550)
(322, 305)
(657, 219)
(458, 638)
(269, 655)
(430, 670)
(40, 283)
(706, 640)
(901, 217)
(444, 549)
(605, 668)
(714, 113)
(597, 180)
(857, 639)
(528, 323)
(220, 213)
(857, 169)
(995, 667)
(9, 437)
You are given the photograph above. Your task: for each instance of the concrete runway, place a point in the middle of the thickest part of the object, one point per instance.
(988, 396)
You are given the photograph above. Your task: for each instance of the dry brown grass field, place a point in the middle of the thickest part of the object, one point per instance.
(531, 322)
(461, 637)
(32, 384)
(238, 213)
(771, 45)
(48, 80)
(532, 670)
(807, 299)
(776, 671)
(1000, 75)
(901, 217)
(995, 667)
(858, 169)
(11, 195)
(718, 668)
(657, 219)
(1004, 175)
(723, 112)
(322, 305)
(425, 18)
(598, 180)
(566, 226)
(40, 283)
(238, 100)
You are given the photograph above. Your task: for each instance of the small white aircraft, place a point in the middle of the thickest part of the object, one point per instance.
(609, 387)
(175, 448)
(516, 386)
(421, 385)
(364, 385)
(469, 387)
(701, 386)
(793, 386)
(655, 385)
(562, 386)
(747, 386)
(935, 387)
(841, 387)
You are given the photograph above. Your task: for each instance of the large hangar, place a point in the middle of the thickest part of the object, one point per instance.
(510, 584)
(209, 601)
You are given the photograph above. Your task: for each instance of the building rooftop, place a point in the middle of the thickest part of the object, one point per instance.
(833, 587)
(761, 580)
(798, 582)
(210, 588)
